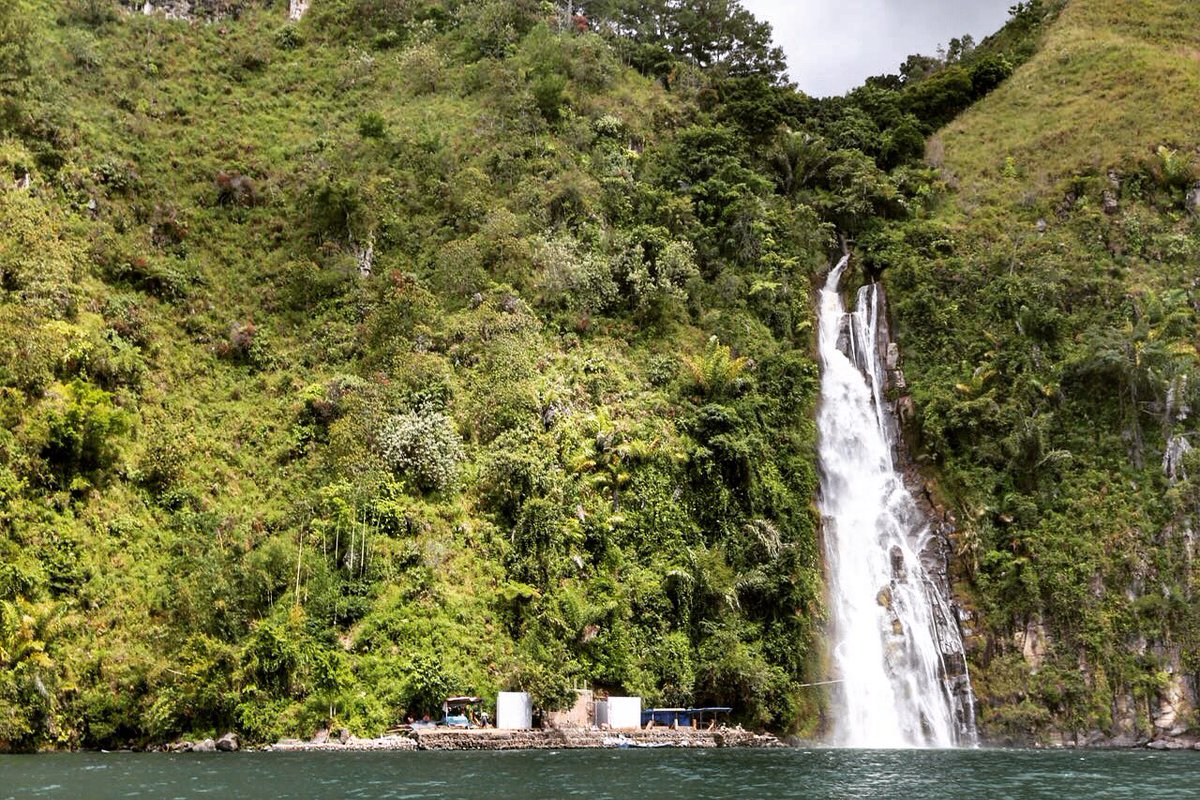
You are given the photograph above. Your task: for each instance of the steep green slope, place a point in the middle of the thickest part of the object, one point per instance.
(1049, 313)
(354, 362)
(419, 348)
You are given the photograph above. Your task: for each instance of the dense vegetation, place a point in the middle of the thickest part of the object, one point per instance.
(430, 347)
(410, 349)
(1050, 316)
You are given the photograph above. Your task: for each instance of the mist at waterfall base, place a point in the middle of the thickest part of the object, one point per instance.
(788, 774)
(895, 645)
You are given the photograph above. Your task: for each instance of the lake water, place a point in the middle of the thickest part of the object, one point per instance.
(641, 774)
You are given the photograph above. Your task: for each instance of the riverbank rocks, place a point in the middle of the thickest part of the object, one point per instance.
(352, 744)
(228, 743)
(1166, 744)
(566, 739)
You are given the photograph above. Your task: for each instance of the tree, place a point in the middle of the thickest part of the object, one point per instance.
(718, 35)
(27, 671)
(988, 73)
(16, 47)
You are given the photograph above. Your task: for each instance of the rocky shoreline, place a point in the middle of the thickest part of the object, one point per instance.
(576, 739)
(551, 739)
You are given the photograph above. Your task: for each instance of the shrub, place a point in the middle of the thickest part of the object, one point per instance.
(372, 125)
(235, 189)
(658, 273)
(125, 318)
(424, 66)
(425, 447)
(82, 426)
(574, 280)
(288, 38)
(387, 40)
(245, 345)
(162, 463)
(988, 73)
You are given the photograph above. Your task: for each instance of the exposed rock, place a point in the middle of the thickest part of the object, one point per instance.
(366, 258)
(207, 746)
(1109, 202)
(1193, 199)
(388, 743)
(343, 736)
(1068, 203)
(1042, 226)
(1033, 641)
(189, 10)
(297, 9)
(893, 356)
(1166, 744)
(567, 739)
(228, 743)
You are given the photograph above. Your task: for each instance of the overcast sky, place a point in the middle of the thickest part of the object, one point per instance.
(832, 45)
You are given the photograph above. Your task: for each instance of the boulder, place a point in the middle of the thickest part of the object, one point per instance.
(228, 743)
(207, 746)
(1109, 202)
(1165, 744)
(1193, 199)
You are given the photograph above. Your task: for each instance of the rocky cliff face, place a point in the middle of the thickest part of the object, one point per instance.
(1162, 719)
(207, 9)
(938, 549)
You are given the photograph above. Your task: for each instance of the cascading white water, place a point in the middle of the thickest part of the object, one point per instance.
(896, 647)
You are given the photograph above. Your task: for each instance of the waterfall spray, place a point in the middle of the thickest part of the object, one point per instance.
(896, 645)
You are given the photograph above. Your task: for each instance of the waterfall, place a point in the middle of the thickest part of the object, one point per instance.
(896, 649)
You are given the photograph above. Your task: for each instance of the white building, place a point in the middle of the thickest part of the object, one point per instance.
(619, 713)
(514, 711)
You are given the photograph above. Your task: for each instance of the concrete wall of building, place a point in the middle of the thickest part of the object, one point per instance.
(514, 711)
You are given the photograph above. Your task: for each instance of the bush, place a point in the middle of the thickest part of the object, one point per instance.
(82, 425)
(288, 38)
(988, 73)
(573, 280)
(235, 189)
(246, 344)
(424, 67)
(658, 272)
(372, 125)
(425, 447)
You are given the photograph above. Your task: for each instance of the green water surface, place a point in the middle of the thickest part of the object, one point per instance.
(641, 774)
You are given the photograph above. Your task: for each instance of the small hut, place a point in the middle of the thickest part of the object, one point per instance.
(514, 711)
(619, 713)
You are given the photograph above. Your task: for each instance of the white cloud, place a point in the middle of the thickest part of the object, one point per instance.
(832, 45)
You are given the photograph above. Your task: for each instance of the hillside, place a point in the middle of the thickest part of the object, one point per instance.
(384, 355)
(418, 348)
(1049, 313)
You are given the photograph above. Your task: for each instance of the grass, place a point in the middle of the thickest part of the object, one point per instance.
(1109, 85)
